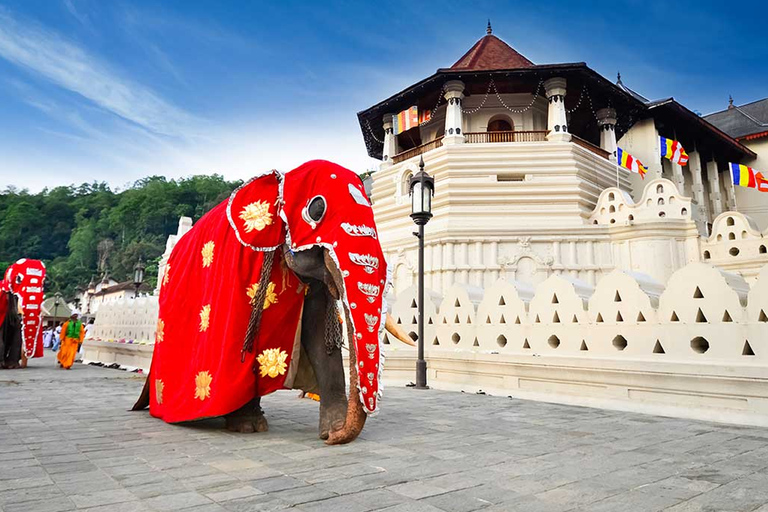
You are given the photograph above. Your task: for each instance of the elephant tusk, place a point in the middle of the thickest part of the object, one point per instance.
(397, 332)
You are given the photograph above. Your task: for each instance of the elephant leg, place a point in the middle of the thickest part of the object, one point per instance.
(328, 368)
(249, 418)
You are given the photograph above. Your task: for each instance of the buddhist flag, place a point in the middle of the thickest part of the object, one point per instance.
(424, 116)
(407, 119)
(744, 176)
(630, 163)
(673, 151)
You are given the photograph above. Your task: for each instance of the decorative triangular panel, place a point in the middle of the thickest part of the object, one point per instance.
(457, 304)
(414, 321)
(617, 297)
(488, 319)
(762, 317)
(700, 318)
(430, 321)
(475, 343)
(456, 319)
(399, 321)
(658, 349)
(435, 342)
(727, 317)
(517, 320)
(619, 318)
(502, 320)
(556, 318)
(599, 318)
(747, 351)
(584, 346)
(575, 320)
(502, 302)
(554, 299)
(697, 293)
(469, 320)
(525, 344)
(674, 318)
(537, 319)
(413, 304)
(640, 317)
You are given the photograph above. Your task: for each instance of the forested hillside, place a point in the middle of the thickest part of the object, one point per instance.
(82, 231)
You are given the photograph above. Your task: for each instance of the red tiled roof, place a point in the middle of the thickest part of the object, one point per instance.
(490, 52)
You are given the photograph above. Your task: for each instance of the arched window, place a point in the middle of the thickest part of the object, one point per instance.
(500, 124)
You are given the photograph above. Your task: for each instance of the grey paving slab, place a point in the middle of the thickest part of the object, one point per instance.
(68, 442)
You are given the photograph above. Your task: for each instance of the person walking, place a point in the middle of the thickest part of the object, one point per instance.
(72, 334)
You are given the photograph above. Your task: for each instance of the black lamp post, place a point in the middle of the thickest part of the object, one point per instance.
(422, 190)
(138, 276)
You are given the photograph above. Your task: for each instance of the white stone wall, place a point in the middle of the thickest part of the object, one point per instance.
(129, 320)
(703, 315)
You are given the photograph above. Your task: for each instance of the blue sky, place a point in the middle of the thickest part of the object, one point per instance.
(115, 91)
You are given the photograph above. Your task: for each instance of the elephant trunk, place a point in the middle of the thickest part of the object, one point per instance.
(355, 420)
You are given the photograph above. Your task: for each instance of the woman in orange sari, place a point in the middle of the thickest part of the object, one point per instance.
(72, 334)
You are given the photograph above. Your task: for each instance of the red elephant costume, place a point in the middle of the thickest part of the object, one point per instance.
(26, 279)
(200, 366)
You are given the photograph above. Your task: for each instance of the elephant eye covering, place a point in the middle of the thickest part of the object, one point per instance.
(229, 268)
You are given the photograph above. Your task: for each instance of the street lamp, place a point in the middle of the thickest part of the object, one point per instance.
(422, 190)
(138, 276)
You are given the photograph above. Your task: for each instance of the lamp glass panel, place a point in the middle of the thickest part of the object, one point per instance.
(416, 199)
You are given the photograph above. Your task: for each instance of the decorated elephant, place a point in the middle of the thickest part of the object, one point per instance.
(262, 294)
(21, 299)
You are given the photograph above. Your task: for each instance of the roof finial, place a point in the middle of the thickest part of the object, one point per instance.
(618, 78)
(489, 30)
(730, 102)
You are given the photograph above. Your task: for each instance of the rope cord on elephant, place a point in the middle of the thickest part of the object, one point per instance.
(258, 306)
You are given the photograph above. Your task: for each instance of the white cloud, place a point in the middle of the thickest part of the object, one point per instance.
(64, 63)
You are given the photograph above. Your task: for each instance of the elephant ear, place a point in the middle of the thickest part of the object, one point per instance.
(252, 212)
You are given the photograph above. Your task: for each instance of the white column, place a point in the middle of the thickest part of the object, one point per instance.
(606, 120)
(454, 94)
(730, 193)
(714, 189)
(694, 164)
(390, 141)
(556, 118)
(678, 177)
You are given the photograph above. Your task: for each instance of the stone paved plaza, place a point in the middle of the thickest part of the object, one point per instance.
(67, 442)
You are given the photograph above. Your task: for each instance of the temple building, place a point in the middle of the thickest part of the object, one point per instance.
(748, 124)
(527, 185)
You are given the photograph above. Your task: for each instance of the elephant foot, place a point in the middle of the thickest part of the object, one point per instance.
(248, 419)
(246, 425)
(331, 418)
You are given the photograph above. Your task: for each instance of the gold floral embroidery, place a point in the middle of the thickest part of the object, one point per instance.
(159, 386)
(205, 316)
(272, 362)
(256, 216)
(270, 297)
(166, 275)
(203, 385)
(160, 333)
(207, 253)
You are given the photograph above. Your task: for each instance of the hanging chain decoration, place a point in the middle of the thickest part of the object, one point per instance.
(370, 131)
(578, 103)
(333, 336)
(492, 85)
(434, 110)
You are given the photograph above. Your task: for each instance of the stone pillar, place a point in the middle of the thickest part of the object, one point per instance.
(730, 193)
(390, 140)
(678, 177)
(606, 120)
(714, 189)
(694, 164)
(556, 117)
(454, 94)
